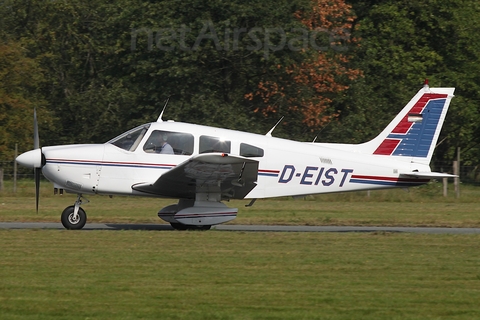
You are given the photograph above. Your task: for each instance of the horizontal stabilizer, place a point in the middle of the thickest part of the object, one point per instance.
(427, 175)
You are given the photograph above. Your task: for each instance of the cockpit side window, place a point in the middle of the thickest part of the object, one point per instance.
(130, 140)
(213, 144)
(249, 151)
(168, 142)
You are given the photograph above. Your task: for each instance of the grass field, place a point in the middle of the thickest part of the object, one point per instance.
(52, 274)
(48, 274)
(423, 206)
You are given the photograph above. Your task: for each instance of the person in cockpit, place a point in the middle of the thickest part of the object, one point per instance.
(165, 147)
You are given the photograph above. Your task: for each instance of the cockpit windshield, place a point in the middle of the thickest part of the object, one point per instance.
(131, 139)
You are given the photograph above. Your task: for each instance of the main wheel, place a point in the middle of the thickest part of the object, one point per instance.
(181, 226)
(73, 223)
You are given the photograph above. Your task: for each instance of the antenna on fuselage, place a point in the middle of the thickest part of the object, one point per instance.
(161, 114)
(321, 130)
(269, 133)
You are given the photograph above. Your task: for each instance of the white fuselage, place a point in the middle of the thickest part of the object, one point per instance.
(203, 166)
(287, 168)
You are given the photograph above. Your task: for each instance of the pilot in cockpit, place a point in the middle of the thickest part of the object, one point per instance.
(164, 147)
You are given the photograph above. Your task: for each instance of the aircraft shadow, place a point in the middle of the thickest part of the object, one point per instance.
(145, 227)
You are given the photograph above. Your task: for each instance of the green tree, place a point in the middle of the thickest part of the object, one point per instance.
(111, 65)
(97, 85)
(402, 43)
(212, 63)
(72, 42)
(20, 78)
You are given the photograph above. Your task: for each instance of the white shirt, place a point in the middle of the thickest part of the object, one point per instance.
(166, 149)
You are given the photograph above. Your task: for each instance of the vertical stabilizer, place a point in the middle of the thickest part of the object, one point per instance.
(413, 134)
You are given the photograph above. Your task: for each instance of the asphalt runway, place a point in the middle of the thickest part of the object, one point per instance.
(244, 228)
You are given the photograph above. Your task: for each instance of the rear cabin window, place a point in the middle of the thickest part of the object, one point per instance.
(249, 151)
(213, 144)
(167, 142)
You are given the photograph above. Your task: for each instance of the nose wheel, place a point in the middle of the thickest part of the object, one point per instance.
(74, 217)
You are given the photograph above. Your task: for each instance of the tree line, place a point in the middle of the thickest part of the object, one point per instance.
(336, 69)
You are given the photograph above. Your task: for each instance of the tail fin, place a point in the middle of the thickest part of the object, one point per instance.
(413, 134)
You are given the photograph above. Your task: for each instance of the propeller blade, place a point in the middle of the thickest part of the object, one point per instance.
(36, 139)
(37, 170)
(37, 186)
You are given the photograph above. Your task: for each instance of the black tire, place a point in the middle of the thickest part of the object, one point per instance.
(179, 226)
(183, 227)
(69, 223)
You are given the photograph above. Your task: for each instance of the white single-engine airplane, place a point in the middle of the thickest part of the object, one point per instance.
(203, 166)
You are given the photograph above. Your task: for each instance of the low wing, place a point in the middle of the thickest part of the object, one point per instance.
(232, 177)
(427, 175)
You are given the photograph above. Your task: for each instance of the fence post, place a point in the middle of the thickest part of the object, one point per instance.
(15, 169)
(445, 187)
(456, 180)
(1, 179)
(456, 171)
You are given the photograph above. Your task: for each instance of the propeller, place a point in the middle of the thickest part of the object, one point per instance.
(36, 170)
(34, 158)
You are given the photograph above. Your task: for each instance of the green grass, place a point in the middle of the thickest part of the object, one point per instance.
(423, 206)
(52, 274)
(49, 274)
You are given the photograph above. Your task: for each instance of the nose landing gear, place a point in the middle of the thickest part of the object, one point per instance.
(74, 217)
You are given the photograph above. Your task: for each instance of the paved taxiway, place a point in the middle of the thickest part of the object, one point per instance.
(249, 228)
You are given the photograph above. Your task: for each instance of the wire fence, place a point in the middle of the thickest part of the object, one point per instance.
(468, 174)
(7, 168)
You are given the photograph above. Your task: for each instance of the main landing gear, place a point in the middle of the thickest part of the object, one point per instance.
(74, 217)
(181, 226)
(198, 215)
